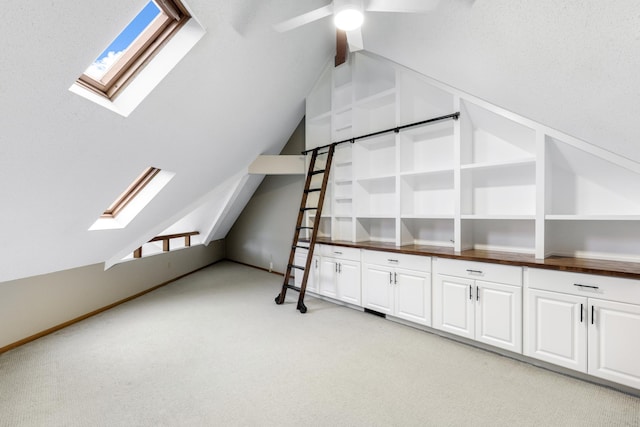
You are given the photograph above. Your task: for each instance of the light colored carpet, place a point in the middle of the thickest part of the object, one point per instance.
(213, 349)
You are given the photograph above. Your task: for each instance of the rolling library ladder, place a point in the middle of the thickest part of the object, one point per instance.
(300, 228)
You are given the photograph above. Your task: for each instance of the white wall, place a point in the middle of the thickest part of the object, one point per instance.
(31, 305)
(571, 65)
(262, 233)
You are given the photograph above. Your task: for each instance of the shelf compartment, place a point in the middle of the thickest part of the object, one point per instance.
(343, 206)
(375, 116)
(375, 157)
(343, 155)
(488, 137)
(325, 227)
(427, 148)
(380, 229)
(343, 190)
(427, 194)
(427, 231)
(342, 173)
(505, 235)
(593, 239)
(342, 228)
(500, 191)
(376, 196)
(581, 184)
(420, 100)
(372, 76)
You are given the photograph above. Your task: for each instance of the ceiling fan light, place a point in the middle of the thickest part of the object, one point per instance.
(348, 19)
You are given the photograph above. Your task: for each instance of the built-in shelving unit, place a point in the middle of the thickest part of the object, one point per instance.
(490, 180)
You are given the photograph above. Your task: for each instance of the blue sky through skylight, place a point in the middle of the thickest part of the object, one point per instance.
(114, 51)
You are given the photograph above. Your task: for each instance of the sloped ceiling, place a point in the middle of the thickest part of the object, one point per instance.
(240, 92)
(571, 65)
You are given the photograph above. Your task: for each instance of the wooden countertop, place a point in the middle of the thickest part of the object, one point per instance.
(630, 270)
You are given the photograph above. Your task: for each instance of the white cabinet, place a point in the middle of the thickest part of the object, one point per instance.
(314, 273)
(572, 321)
(479, 301)
(340, 274)
(398, 285)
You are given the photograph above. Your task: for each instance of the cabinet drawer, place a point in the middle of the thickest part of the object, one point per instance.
(499, 273)
(340, 252)
(390, 259)
(587, 285)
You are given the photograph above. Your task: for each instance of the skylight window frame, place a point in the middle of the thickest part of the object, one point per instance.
(173, 15)
(131, 192)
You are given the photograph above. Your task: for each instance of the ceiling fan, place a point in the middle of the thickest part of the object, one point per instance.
(348, 15)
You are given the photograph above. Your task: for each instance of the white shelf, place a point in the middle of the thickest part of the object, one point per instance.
(377, 100)
(428, 216)
(605, 217)
(499, 217)
(499, 164)
(373, 216)
(377, 180)
(426, 174)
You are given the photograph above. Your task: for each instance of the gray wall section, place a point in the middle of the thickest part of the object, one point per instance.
(262, 233)
(34, 304)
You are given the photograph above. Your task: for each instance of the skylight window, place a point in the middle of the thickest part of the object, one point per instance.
(133, 200)
(134, 47)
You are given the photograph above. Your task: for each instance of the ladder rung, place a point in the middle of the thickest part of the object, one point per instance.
(293, 288)
(311, 190)
(304, 228)
(299, 247)
(318, 171)
(296, 266)
(308, 209)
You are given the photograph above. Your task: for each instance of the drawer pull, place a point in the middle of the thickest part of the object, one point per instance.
(470, 298)
(337, 253)
(592, 313)
(392, 260)
(395, 278)
(390, 278)
(474, 271)
(581, 313)
(585, 286)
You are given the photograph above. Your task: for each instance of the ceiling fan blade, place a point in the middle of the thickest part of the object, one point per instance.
(303, 19)
(407, 6)
(354, 37)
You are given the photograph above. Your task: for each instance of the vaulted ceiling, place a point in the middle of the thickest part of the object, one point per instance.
(240, 92)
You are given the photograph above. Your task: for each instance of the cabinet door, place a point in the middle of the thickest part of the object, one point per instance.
(328, 277)
(453, 305)
(314, 275)
(412, 299)
(349, 282)
(614, 341)
(377, 288)
(557, 329)
(499, 315)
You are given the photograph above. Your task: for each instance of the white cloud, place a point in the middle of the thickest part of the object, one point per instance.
(100, 66)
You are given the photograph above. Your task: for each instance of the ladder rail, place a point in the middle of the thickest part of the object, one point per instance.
(296, 232)
(314, 230)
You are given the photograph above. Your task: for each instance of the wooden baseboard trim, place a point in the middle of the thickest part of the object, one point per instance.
(98, 311)
(255, 266)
